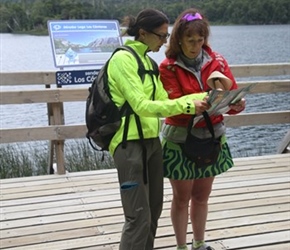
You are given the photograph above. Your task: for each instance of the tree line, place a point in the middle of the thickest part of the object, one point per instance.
(31, 16)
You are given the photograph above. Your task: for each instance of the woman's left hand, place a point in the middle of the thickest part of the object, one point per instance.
(239, 106)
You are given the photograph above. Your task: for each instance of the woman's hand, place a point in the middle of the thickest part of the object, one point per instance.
(201, 106)
(238, 106)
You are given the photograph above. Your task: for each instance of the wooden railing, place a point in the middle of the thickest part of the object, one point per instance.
(57, 131)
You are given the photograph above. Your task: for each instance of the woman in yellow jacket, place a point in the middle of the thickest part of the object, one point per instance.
(142, 200)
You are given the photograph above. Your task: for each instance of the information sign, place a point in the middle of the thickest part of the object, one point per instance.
(75, 77)
(83, 42)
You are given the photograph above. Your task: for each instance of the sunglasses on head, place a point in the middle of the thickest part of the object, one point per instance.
(189, 17)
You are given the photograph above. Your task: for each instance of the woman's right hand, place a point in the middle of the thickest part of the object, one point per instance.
(200, 106)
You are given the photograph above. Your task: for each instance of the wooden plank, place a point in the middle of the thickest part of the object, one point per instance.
(72, 243)
(90, 182)
(268, 86)
(245, 212)
(46, 179)
(260, 70)
(59, 183)
(238, 231)
(108, 207)
(113, 194)
(222, 182)
(103, 247)
(63, 132)
(246, 183)
(258, 240)
(27, 78)
(273, 246)
(57, 95)
(9, 185)
(262, 118)
(268, 163)
(43, 96)
(52, 236)
(90, 191)
(53, 216)
(52, 227)
(52, 132)
(71, 190)
(246, 221)
(228, 233)
(252, 170)
(60, 226)
(276, 158)
(248, 209)
(257, 162)
(101, 209)
(70, 206)
(49, 77)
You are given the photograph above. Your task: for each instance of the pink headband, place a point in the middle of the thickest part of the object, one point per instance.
(190, 17)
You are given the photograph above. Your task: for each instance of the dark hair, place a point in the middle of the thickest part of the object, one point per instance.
(147, 19)
(183, 27)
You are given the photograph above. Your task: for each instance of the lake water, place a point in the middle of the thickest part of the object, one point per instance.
(238, 44)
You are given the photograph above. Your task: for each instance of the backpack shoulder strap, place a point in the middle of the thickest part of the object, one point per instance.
(155, 67)
(141, 73)
(141, 69)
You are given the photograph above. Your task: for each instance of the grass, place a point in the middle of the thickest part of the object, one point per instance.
(79, 156)
(20, 161)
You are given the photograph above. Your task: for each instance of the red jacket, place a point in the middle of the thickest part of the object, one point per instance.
(179, 81)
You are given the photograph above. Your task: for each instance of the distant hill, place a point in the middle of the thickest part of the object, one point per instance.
(30, 16)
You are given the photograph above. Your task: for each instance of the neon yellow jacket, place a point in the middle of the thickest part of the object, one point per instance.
(126, 84)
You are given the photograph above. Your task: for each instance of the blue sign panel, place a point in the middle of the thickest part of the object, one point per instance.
(75, 77)
(83, 42)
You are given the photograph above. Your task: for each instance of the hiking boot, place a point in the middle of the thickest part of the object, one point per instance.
(203, 247)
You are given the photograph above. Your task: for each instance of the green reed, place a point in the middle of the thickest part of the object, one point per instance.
(19, 161)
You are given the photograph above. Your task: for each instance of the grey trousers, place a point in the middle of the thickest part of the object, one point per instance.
(142, 204)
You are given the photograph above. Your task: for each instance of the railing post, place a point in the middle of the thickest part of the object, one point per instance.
(283, 147)
(56, 117)
(51, 143)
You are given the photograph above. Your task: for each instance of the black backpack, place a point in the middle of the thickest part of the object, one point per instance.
(103, 117)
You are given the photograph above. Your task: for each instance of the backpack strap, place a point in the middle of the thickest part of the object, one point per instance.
(144, 149)
(141, 69)
(155, 72)
(126, 108)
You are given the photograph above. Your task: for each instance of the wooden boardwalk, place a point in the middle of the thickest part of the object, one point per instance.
(249, 209)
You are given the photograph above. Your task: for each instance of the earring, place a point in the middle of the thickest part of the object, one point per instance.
(179, 43)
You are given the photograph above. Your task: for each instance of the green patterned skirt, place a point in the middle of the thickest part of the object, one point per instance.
(178, 167)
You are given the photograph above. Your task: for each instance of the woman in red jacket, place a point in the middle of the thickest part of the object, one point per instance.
(188, 68)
